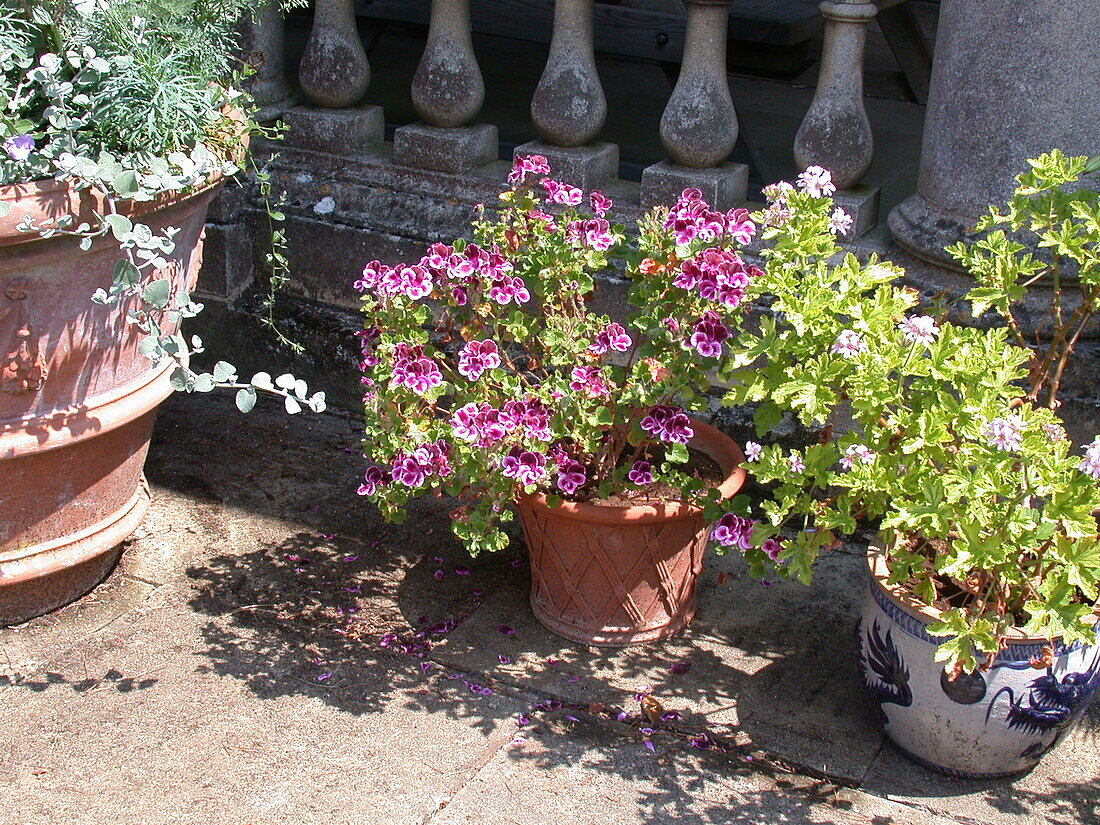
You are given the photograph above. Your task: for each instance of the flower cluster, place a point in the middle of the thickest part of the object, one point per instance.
(669, 424)
(564, 400)
(717, 275)
(692, 218)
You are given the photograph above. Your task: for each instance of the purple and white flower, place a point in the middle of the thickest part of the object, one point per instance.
(571, 477)
(600, 203)
(848, 344)
(857, 453)
(669, 424)
(590, 381)
(816, 182)
(641, 473)
(1090, 464)
(525, 466)
(919, 329)
(708, 334)
(1005, 433)
(733, 531)
(19, 147)
(752, 451)
(477, 357)
(795, 462)
(527, 165)
(374, 478)
(772, 548)
(563, 193)
(840, 222)
(612, 337)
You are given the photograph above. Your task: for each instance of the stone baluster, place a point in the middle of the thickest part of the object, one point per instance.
(334, 76)
(699, 124)
(569, 108)
(836, 134)
(448, 92)
(268, 86)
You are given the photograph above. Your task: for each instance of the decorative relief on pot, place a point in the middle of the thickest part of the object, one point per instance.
(986, 725)
(22, 367)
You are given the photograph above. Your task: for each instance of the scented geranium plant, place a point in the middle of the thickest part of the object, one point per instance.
(985, 510)
(1046, 236)
(129, 101)
(487, 374)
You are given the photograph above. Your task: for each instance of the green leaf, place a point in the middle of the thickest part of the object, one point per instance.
(125, 273)
(180, 380)
(158, 293)
(204, 382)
(121, 226)
(246, 399)
(224, 371)
(126, 184)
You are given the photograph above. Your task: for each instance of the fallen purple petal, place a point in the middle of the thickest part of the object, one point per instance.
(517, 562)
(352, 589)
(523, 720)
(650, 746)
(679, 668)
(348, 557)
(504, 660)
(670, 716)
(438, 575)
(326, 536)
(550, 660)
(701, 742)
(622, 716)
(425, 667)
(324, 676)
(573, 679)
(387, 639)
(646, 731)
(572, 718)
(506, 630)
(462, 571)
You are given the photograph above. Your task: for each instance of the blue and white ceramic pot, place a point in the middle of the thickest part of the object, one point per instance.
(984, 725)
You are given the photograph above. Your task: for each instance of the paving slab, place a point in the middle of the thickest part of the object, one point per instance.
(556, 771)
(768, 666)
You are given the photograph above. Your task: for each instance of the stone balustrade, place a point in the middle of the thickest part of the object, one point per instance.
(698, 130)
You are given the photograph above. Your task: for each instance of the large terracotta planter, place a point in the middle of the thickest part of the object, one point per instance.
(77, 399)
(987, 725)
(613, 576)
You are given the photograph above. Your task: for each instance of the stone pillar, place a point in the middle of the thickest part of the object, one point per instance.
(699, 124)
(1009, 81)
(836, 133)
(569, 107)
(448, 92)
(268, 85)
(334, 76)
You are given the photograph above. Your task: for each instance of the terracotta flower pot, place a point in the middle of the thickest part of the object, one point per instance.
(77, 399)
(614, 576)
(985, 725)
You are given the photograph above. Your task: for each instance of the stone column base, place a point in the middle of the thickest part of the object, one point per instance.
(442, 149)
(340, 131)
(924, 229)
(723, 186)
(861, 202)
(589, 167)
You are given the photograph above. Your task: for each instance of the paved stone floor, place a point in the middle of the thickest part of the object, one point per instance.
(237, 668)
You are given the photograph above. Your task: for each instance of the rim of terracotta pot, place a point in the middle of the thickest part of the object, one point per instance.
(927, 614)
(714, 443)
(51, 198)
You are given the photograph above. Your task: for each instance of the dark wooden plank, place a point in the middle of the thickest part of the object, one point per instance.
(903, 33)
(619, 29)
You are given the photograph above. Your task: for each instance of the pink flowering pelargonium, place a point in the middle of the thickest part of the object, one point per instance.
(489, 371)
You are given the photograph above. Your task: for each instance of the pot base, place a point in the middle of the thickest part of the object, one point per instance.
(609, 637)
(55, 576)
